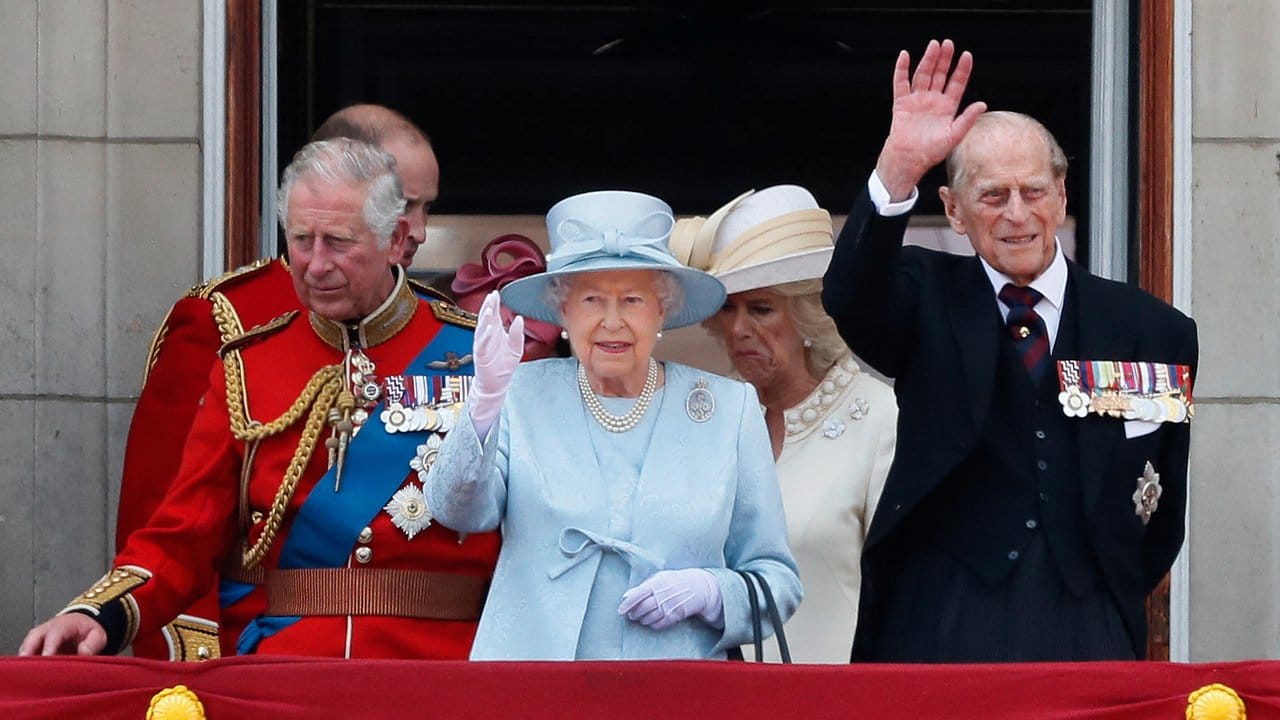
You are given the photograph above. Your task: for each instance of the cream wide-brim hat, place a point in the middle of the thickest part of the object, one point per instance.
(759, 239)
(613, 230)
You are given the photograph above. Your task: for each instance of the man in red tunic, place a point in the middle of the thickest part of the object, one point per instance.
(185, 348)
(300, 460)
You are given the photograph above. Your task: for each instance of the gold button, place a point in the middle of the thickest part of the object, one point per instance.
(364, 554)
(202, 653)
(366, 535)
(256, 516)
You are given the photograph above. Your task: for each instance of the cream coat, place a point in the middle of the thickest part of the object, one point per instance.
(836, 455)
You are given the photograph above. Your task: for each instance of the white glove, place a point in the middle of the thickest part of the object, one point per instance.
(496, 353)
(669, 596)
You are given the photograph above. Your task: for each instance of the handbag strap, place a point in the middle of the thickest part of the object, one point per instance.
(757, 631)
(774, 618)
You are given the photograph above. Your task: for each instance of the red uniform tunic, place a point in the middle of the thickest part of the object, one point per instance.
(183, 352)
(174, 558)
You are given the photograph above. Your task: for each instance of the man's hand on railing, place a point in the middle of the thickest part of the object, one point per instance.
(70, 634)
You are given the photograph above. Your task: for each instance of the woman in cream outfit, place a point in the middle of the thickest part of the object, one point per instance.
(831, 425)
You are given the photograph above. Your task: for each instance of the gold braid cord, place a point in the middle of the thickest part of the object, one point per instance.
(319, 395)
(153, 352)
(226, 317)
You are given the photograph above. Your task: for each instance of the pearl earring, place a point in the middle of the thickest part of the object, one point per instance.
(564, 334)
(808, 342)
(659, 334)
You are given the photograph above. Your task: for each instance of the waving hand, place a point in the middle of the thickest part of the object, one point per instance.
(925, 125)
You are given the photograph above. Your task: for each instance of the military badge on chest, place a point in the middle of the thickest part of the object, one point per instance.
(420, 403)
(1152, 392)
(1146, 498)
(360, 393)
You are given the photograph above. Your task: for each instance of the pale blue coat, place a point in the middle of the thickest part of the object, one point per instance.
(707, 497)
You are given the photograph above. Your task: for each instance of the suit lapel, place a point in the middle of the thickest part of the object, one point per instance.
(973, 318)
(970, 309)
(1101, 335)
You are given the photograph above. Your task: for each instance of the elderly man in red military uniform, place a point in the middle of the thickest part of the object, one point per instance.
(183, 352)
(308, 445)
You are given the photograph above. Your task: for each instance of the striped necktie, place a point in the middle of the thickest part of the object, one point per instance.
(1027, 329)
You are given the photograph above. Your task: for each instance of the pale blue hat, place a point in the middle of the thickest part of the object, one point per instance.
(613, 230)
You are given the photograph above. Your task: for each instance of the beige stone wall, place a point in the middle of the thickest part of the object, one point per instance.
(99, 232)
(1235, 218)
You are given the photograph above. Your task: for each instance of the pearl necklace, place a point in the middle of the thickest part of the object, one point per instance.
(619, 423)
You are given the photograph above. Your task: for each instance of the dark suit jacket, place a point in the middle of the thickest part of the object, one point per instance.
(924, 318)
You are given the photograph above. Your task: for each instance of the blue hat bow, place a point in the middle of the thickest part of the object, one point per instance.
(583, 240)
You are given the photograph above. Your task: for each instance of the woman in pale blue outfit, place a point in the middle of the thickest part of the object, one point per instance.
(628, 491)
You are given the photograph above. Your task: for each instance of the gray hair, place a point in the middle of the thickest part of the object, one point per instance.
(804, 298)
(666, 286)
(957, 170)
(347, 161)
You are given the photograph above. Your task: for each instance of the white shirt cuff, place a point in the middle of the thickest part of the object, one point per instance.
(880, 198)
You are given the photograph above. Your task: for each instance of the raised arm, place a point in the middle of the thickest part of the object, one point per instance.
(868, 290)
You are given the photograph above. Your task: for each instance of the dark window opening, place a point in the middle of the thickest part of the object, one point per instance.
(693, 102)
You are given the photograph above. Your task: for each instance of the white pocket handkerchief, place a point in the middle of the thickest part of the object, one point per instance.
(1138, 428)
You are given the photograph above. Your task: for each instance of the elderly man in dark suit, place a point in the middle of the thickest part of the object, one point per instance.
(1039, 485)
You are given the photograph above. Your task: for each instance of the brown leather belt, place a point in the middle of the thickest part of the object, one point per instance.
(375, 591)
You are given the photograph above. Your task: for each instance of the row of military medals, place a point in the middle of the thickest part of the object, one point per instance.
(420, 403)
(1154, 392)
(414, 403)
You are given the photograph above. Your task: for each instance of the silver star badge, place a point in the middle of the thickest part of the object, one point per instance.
(408, 510)
(1147, 497)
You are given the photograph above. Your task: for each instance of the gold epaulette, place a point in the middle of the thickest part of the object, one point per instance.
(208, 287)
(447, 312)
(257, 332)
(420, 288)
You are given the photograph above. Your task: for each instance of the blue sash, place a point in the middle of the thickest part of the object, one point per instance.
(328, 523)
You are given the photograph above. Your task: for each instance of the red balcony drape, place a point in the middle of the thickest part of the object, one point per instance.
(248, 687)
